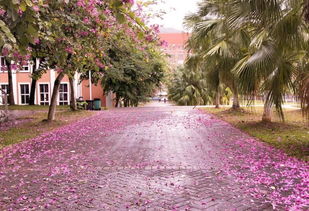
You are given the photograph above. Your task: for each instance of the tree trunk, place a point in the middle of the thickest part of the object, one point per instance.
(267, 112)
(306, 10)
(32, 92)
(10, 77)
(6, 109)
(53, 103)
(217, 103)
(117, 101)
(4, 115)
(73, 104)
(236, 104)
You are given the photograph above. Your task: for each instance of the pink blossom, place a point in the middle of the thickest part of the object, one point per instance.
(36, 8)
(128, 1)
(37, 41)
(69, 50)
(5, 52)
(86, 20)
(163, 43)
(2, 12)
(155, 28)
(20, 12)
(14, 66)
(149, 38)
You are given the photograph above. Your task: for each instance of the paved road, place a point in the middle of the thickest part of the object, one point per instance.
(151, 158)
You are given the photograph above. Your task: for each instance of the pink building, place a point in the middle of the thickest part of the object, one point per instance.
(176, 46)
(22, 78)
(22, 85)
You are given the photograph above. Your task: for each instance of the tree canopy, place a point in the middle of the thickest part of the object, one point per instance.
(255, 47)
(81, 36)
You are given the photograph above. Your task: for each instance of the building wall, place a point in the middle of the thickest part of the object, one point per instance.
(175, 47)
(96, 92)
(46, 85)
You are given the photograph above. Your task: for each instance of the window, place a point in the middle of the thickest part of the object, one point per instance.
(24, 94)
(25, 68)
(2, 64)
(63, 94)
(4, 88)
(44, 94)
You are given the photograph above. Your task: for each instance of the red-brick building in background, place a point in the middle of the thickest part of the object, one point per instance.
(44, 87)
(175, 47)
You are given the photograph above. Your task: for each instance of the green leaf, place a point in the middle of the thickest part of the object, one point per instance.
(31, 30)
(23, 6)
(120, 18)
(15, 2)
(29, 3)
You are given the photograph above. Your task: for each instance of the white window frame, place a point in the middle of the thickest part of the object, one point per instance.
(2, 65)
(67, 83)
(1, 100)
(19, 92)
(39, 91)
(28, 66)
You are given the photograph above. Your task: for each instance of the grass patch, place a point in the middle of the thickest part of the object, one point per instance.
(292, 136)
(37, 126)
(33, 107)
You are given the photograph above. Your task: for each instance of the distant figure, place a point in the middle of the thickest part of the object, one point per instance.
(159, 100)
(164, 100)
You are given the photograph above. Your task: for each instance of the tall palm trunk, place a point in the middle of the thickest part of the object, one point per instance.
(6, 109)
(236, 104)
(10, 77)
(73, 104)
(126, 103)
(53, 103)
(217, 103)
(306, 10)
(267, 112)
(117, 101)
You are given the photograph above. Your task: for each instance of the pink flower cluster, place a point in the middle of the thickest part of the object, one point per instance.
(128, 1)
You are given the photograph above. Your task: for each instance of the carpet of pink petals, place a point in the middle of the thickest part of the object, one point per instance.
(263, 171)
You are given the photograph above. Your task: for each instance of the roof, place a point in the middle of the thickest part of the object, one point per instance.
(169, 30)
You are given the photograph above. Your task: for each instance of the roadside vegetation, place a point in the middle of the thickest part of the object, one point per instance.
(32, 125)
(292, 136)
(257, 49)
(33, 107)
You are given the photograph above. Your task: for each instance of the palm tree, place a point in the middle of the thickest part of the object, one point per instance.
(218, 47)
(188, 88)
(254, 46)
(278, 36)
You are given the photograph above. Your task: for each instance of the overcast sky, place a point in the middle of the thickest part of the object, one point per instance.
(176, 11)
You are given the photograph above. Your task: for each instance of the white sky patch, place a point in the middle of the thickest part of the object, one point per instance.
(175, 11)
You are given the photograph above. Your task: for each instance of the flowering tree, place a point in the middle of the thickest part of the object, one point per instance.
(70, 35)
(18, 28)
(131, 65)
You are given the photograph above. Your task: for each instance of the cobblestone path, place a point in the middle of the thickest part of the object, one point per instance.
(151, 158)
